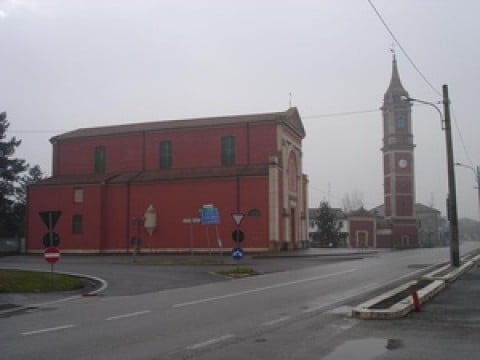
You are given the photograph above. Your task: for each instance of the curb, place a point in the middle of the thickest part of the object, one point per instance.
(439, 278)
(449, 274)
(401, 308)
(326, 255)
(103, 285)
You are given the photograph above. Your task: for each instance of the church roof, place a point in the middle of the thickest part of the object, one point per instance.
(154, 176)
(290, 118)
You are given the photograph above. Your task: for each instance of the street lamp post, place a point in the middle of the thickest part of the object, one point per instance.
(452, 197)
(477, 177)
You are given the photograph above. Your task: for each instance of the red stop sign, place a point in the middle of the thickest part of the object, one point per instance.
(51, 254)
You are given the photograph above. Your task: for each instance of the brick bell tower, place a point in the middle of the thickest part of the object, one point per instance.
(398, 163)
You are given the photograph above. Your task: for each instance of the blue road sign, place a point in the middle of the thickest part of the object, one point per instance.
(209, 216)
(237, 253)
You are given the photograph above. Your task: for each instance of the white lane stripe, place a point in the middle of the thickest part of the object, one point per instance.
(123, 316)
(40, 331)
(288, 283)
(210, 342)
(276, 321)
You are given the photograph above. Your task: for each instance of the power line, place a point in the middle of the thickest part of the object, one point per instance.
(343, 113)
(403, 50)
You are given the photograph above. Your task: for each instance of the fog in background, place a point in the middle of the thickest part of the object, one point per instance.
(80, 63)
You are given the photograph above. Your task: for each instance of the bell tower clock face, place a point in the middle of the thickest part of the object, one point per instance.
(402, 163)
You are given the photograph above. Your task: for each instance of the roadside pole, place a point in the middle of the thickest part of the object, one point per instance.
(452, 203)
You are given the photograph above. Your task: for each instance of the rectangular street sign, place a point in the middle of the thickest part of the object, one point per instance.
(209, 216)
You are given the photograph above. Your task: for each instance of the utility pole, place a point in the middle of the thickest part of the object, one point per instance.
(452, 203)
(452, 197)
(478, 187)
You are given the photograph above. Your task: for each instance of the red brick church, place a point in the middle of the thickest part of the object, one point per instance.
(148, 181)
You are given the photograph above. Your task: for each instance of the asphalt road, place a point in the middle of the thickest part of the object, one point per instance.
(128, 275)
(297, 314)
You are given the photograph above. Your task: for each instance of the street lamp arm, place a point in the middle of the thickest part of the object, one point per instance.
(409, 99)
(466, 166)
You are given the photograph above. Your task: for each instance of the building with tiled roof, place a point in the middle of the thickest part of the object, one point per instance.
(116, 184)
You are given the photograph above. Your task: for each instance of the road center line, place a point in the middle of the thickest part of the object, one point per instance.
(210, 342)
(40, 331)
(251, 291)
(123, 316)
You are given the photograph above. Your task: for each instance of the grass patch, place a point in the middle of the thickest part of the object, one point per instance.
(22, 281)
(238, 272)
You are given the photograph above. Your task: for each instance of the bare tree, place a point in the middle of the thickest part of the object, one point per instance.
(352, 201)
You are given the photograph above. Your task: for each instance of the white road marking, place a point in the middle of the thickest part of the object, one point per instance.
(276, 321)
(210, 342)
(123, 316)
(40, 331)
(251, 291)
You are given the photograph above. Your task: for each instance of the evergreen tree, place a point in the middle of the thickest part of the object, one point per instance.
(33, 175)
(328, 226)
(10, 174)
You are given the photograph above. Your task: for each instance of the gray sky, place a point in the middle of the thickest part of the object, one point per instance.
(67, 64)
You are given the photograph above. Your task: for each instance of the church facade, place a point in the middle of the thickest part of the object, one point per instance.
(145, 185)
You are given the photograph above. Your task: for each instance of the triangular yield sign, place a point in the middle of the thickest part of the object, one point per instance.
(237, 217)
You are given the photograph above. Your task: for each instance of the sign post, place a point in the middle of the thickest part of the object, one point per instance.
(51, 255)
(191, 221)
(237, 236)
(209, 215)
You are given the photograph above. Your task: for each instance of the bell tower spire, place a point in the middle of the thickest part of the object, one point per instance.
(395, 90)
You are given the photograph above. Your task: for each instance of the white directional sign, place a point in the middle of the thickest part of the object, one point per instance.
(191, 220)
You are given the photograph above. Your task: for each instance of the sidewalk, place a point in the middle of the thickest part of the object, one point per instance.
(412, 295)
(458, 303)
